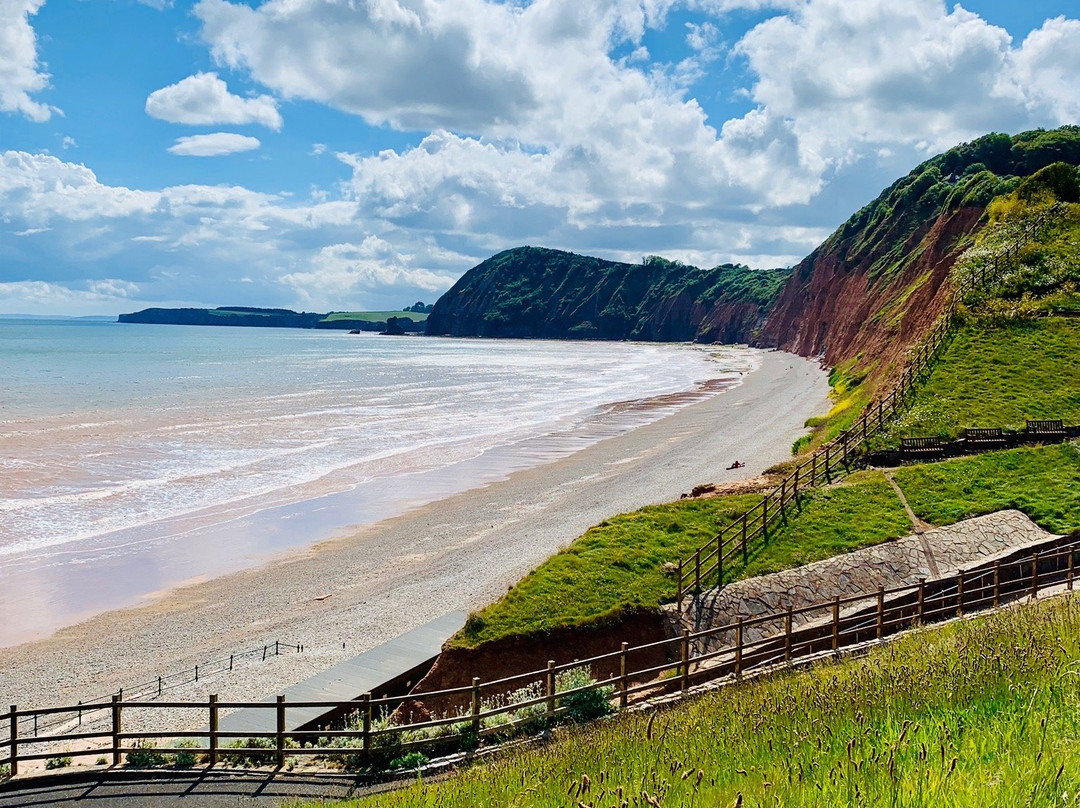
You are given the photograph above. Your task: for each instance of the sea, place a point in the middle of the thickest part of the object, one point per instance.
(136, 458)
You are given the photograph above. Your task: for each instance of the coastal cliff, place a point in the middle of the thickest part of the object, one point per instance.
(871, 289)
(861, 299)
(542, 293)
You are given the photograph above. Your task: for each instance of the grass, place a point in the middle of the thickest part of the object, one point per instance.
(619, 564)
(998, 375)
(374, 316)
(1043, 482)
(984, 712)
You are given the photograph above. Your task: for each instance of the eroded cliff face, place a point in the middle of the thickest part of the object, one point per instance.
(839, 305)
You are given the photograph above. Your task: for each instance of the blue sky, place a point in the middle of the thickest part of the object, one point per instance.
(337, 154)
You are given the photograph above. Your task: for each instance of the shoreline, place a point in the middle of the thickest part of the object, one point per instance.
(345, 595)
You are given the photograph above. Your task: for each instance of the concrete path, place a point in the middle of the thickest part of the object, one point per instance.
(930, 554)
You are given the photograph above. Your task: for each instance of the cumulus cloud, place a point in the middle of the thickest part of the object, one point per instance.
(854, 76)
(204, 100)
(21, 74)
(213, 145)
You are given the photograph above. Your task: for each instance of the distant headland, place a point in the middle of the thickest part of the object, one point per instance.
(410, 319)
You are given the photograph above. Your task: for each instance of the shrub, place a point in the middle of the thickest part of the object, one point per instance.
(586, 705)
(101, 761)
(58, 763)
(413, 760)
(143, 758)
(5, 772)
(185, 758)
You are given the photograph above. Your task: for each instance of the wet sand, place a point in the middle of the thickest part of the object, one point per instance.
(344, 596)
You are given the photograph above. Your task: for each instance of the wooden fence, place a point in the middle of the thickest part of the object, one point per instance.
(154, 688)
(784, 637)
(705, 568)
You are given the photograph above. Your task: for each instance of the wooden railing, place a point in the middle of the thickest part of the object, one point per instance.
(155, 688)
(783, 637)
(705, 567)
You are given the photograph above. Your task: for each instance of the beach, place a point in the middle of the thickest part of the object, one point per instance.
(344, 596)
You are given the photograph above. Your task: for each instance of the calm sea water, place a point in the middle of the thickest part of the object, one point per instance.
(115, 439)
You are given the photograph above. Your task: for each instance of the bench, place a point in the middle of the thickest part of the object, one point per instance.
(1046, 428)
(922, 447)
(982, 437)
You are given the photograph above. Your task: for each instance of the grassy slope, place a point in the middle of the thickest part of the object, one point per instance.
(1042, 482)
(999, 374)
(618, 564)
(978, 713)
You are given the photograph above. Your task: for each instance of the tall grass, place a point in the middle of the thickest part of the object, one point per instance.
(979, 713)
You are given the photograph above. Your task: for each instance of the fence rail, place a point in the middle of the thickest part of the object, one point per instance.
(706, 565)
(728, 651)
(93, 709)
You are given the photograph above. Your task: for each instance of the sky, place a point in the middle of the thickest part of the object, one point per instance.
(363, 154)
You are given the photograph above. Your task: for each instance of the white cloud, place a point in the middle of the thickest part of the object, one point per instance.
(213, 145)
(204, 100)
(68, 142)
(21, 74)
(850, 78)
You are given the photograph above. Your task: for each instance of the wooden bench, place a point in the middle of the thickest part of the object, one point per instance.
(1046, 428)
(922, 447)
(984, 438)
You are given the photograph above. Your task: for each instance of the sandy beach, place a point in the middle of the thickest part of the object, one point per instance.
(344, 596)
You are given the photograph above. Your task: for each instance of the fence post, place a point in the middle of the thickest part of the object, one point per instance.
(476, 705)
(960, 593)
(213, 739)
(880, 612)
(1072, 552)
(795, 493)
(549, 689)
(720, 560)
(679, 590)
(836, 625)
(828, 473)
(230, 661)
(1035, 575)
(277, 648)
(280, 735)
(116, 729)
(366, 737)
(264, 654)
(765, 518)
(738, 648)
(744, 556)
(196, 673)
(997, 584)
(623, 679)
(813, 469)
(14, 721)
(684, 654)
(159, 685)
(697, 571)
(922, 599)
(787, 636)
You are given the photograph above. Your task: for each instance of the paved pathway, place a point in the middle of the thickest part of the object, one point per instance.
(930, 554)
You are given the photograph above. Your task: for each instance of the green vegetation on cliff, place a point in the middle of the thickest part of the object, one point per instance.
(976, 713)
(536, 292)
